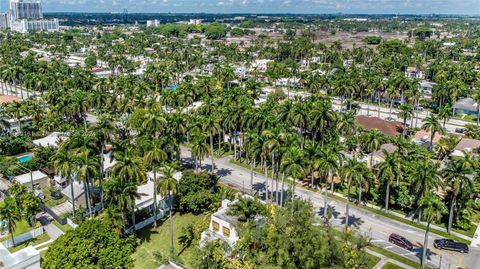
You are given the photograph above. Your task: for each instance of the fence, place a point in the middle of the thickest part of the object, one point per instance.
(148, 221)
(53, 214)
(23, 237)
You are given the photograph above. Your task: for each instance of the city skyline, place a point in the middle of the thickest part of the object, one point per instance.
(467, 7)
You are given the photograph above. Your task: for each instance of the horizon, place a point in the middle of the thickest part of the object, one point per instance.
(298, 7)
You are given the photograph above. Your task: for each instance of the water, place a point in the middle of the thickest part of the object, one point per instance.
(25, 158)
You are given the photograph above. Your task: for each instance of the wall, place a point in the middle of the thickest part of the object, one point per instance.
(24, 237)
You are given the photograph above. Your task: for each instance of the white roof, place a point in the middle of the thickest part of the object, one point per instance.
(108, 161)
(78, 190)
(177, 175)
(146, 195)
(26, 178)
(20, 259)
(50, 140)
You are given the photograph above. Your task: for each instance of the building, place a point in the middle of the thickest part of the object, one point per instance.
(51, 140)
(153, 23)
(378, 156)
(4, 21)
(27, 15)
(413, 72)
(26, 258)
(39, 179)
(466, 145)
(222, 226)
(427, 87)
(195, 21)
(466, 106)
(423, 138)
(389, 128)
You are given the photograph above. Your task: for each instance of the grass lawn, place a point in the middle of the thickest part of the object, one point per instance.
(33, 242)
(158, 239)
(49, 201)
(64, 228)
(20, 228)
(394, 256)
(372, 260)
(390, 265)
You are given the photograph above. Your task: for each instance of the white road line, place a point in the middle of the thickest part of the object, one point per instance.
(377, 240)
(388, 247)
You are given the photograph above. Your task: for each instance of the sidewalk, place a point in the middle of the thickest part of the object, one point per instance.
(476, 238)
(385, 260)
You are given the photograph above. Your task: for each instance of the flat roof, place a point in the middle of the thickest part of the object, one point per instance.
(26, 178)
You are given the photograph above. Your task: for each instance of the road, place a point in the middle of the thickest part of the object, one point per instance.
(376, 226)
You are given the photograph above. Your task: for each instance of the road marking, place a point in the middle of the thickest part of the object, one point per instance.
(409, 253)
(410, 231)
(377, 240)
(388, 247)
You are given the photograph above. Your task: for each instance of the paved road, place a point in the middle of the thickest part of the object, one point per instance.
(53, 231)
(376, 226)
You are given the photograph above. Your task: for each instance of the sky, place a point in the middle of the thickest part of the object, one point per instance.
(471, 7)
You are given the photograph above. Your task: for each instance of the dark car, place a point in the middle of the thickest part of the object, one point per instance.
(56, 195)
(449, 244)
(460, 130)
(400, 241)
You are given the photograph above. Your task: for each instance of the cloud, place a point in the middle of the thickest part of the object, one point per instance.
(266, 6)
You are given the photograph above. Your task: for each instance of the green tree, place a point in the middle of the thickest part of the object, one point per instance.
(168, 187)
(433, 126)
(11, 215)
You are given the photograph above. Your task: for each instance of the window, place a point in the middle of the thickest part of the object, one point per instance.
(226, 232)
(216, 226)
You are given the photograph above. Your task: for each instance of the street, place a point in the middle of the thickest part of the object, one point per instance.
(376, 226)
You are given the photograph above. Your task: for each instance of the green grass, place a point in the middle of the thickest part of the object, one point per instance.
(32, 242)
(371, 260)
(21, 228)
(394, 256)
(159, 240)
(49, 201)
(65, 228)
(390, 265)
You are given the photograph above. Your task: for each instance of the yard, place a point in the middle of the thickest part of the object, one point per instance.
(20, 228)
(158, 240)
(33, 242)
(49, 200)
(391, 266)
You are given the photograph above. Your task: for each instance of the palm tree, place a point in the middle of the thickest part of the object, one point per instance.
(30, 207)
(122, 194)
(327, 163)
(371, 142)
(130, 168)
(445, 113)
(212, 127)
(154, 158)
(354, 172)
(200, 149)
(9, 213)
(87, 171)
(432, 125)
(294, 164)
(424, 177)
(432, 209)
(168, 186)
(389, 170)
(457, 175)
(64, 164)
(476, 97)
(405, 112)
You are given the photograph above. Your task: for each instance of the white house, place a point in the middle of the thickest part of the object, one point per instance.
(39, 179)
(78, 194)
(413, 72)
(261, 65)
(51, 140)
(222, 226)
(26, 258)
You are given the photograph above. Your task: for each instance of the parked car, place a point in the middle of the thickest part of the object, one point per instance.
(56, 195)
(391, 118)
(449, 244)
(400, 241)
(460, 130)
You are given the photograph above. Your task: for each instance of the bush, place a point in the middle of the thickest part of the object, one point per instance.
(14, 145)
(372, 40)
(196, 191)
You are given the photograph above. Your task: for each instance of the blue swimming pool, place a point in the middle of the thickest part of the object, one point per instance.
(25, 158)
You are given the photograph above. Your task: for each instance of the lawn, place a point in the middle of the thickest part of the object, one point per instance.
(395, 256)
(33, 242)
(372, 260)
(390, 265)
(158, 239)
(21, 228)
(49, 201)
(65, 228)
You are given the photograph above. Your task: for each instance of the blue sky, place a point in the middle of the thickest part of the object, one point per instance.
(266, 6)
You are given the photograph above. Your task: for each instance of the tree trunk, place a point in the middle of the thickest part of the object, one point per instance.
(266, 180)
(387, 198)
(171, 222)
(101, 175)
(85, 192)
(251, 176)
(332, 182)
(360, 194)
(283, 188)
(211, 148)
(273, 175)
(73, 196)
(347, 208)
(133, 219)
(10, 230)
(154, 197)
(450, 215)
(325, 198)
(425, 247)
(313, 172)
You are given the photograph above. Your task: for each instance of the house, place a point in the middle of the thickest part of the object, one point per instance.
(466, 106)
(261, 65)
(51, 140)
(222, 226)
(26, 258)
(427, 87)
(378, 156)
(78, 194)
(38, 178)
(413, 72)
(389, 128)
(7, 99)
(423, 138)
(466, 145)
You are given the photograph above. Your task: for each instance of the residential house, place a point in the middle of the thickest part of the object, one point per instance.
(378, 156)
(427, 87)
(389, 128)
(423, 138)
(222, 226)
(38, 178)
(78, 194)
(466, 145)
(26, 258)
(413, 72)
(51, 140)
(465, 106)
(261, 65)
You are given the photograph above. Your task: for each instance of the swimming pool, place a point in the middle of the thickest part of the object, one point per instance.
(25, 158)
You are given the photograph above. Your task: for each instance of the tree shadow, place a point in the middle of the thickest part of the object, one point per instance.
(418, 250)
(353, 221)
(330, 211)
(224, 172)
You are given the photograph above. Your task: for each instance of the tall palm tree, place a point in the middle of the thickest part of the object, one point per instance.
(431, 124)
(354, 171)
(424, 178)
(458, 177)
(64, 164)
(211, 126)
(153, 159)
(9, 213)
(122, 194)
(294, 163)
(87, 171)
(327, 163)
(432, 209)
(130, 168)
(389, 170)
(405, 112)
(371, 142)
(200, 149)
(168, 186)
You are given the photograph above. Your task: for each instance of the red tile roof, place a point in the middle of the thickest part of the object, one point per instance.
(6, 99)
(390, 128)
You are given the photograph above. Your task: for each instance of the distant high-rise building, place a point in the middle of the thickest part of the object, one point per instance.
(26, 9)
(25, 16)
(153, 23)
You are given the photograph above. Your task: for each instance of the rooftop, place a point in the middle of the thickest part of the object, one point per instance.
(26, 178)
(51, 140)
(23, 258)
(6, 99)
(390, 128)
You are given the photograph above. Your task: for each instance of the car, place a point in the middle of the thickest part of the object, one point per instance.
(390, 118)
(400, 241)
(460, 130)
(449, 244)
(56, 195)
